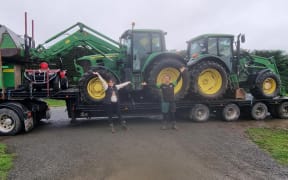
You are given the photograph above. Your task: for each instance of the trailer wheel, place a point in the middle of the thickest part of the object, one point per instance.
(10, 123)
(199, 113)
(231, 112)
(208, 80)
(259, 111)
(159, 69)
(56, 84)
(267, 85)
(282, 110)
(64, 83)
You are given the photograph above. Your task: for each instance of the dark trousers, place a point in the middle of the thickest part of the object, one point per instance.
(111, 109)
(168, 110)
(169, 117)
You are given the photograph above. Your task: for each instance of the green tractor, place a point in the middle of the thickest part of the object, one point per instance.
(142, 57)
(217, 68)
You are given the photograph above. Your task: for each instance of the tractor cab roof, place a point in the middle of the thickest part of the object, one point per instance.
(203, 36)
(128, 32)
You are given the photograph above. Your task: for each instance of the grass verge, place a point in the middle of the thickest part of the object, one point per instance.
(55, 103)
(5, 162)
(274, 141)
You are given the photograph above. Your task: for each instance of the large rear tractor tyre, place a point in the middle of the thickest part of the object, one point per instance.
(199, 113)
(208, 80)
(10, 123)
(267, 85)
(231, 112)
(91, 88)
(158, 70)
(259, 111)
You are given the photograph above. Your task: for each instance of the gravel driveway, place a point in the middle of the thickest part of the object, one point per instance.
(87, 150)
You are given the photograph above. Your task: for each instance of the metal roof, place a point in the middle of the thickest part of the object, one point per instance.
(18, 41)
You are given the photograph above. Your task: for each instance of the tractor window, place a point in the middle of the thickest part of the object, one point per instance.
(212, 46)
(141, 49)
(197, 47)
(225, 47)
(127, 44)
(156, 43)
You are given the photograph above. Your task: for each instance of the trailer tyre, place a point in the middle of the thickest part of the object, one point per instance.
(199, 113)
(91, 88)
(171, 66)
(10, 123)
(208, 80)
(231, 112)
(56, 84)
(282, 110)
(267, 85)
(64, 83)
(259, 111)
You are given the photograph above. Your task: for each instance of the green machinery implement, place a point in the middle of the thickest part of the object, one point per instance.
(78, 40)
(78, 35)
(217, 66)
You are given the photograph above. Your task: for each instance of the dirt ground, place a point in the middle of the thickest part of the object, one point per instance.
(87, 150)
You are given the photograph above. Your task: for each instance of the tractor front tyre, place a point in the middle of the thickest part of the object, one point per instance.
(91, 87)
(208, 80)
(267, 85)
(171, 67)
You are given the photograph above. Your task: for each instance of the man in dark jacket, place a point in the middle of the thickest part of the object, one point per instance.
(111, 100)
(168, 106)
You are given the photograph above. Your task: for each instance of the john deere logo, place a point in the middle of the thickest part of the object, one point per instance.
(67, 41)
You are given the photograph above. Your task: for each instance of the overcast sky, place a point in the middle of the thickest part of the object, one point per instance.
(264, 22)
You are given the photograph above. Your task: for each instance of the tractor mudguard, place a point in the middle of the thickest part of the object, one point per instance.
(160, 55)
(192, 62)
(95, 68)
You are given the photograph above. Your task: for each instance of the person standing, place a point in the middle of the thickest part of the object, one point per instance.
(111, 100)
(168, 106)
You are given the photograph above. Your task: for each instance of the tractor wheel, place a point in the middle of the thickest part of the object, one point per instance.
(64, 83)
(56, 84)
(91, 88)
(259, 111)
(160, 69)
(10, 123)
(209, 80)
(231, 112)
(199, 113)
(267, 85)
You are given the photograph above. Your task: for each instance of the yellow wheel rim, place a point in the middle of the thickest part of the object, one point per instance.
(95, 89)
(269, 86)
(173, 73)
(209, 81)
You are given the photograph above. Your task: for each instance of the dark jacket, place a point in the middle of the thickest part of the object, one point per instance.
(109, 91)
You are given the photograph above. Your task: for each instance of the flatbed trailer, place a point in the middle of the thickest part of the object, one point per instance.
(22, 110)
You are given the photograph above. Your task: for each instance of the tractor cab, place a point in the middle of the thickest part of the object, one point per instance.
(139, 44)
(218, 45)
